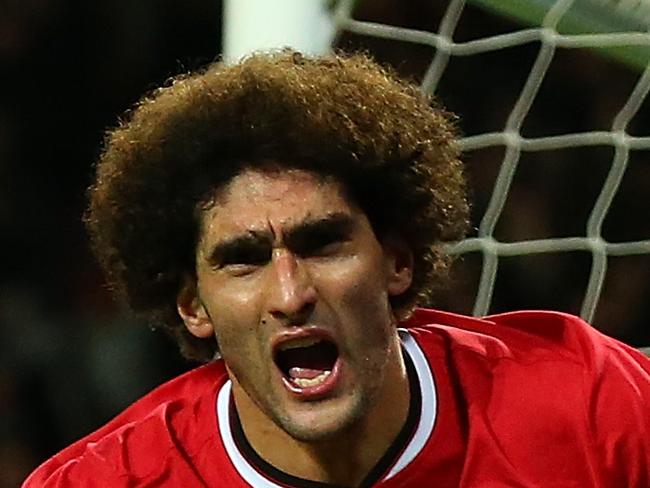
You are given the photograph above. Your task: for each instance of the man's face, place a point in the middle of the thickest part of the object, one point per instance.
(295, 285)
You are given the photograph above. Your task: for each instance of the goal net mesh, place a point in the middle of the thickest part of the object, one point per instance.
(551, 104)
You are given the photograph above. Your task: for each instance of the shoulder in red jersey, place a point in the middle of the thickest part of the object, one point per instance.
(136, 439)
(542, 398)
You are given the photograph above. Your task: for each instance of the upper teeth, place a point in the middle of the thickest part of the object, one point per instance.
(296, 343)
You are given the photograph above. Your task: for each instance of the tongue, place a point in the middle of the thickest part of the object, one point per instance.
(305, 373)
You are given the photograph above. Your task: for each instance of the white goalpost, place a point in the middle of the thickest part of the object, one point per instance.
(251, 25)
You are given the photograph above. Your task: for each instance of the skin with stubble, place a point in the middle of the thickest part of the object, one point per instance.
(283, 254)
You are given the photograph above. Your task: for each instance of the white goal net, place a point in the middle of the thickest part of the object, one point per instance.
(551, 97)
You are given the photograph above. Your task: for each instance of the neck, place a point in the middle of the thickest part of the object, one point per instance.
(364, 443)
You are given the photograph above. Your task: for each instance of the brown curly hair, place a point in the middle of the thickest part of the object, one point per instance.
(392, 148)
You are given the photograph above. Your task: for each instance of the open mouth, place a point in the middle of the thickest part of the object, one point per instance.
(306, 362)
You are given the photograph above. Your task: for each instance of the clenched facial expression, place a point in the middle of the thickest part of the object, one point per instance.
(295, 284)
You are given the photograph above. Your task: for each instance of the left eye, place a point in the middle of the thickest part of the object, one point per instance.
(322, 247)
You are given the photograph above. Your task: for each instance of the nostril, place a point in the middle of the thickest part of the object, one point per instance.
(298, 316)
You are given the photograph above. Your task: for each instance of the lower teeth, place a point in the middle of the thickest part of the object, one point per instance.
(307, 382)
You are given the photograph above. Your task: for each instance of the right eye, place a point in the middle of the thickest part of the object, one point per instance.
(244, 262)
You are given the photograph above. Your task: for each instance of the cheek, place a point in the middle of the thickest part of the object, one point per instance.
(367, 280)
(241, 347)
(358, 289)
(235, 315)
(230, 301)
(235, 325)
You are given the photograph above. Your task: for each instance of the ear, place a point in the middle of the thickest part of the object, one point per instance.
(192, 311)
(399, 265)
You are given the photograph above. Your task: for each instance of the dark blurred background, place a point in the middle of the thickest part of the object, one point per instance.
(70, 358)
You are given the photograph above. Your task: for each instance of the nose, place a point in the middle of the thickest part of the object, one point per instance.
(292, 293)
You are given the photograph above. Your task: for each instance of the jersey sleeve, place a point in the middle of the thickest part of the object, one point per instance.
(618, 408)
(143, 453)
(89, 472)
(157, 441)
(93, 471)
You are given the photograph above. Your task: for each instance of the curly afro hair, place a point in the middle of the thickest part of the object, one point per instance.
(392, 148)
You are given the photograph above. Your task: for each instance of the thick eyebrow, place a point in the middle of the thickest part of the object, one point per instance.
(313, 233)
(252, 243)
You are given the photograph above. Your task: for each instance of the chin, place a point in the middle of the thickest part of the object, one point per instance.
(323, 423)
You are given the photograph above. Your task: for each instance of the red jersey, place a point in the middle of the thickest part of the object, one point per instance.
(523, 399)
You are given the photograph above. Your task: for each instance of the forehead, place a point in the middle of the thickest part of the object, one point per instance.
(258, 198)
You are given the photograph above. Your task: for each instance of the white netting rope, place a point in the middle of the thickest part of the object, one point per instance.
(514, 143)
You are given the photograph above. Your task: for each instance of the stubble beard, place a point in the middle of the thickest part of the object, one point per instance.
(339, 426)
